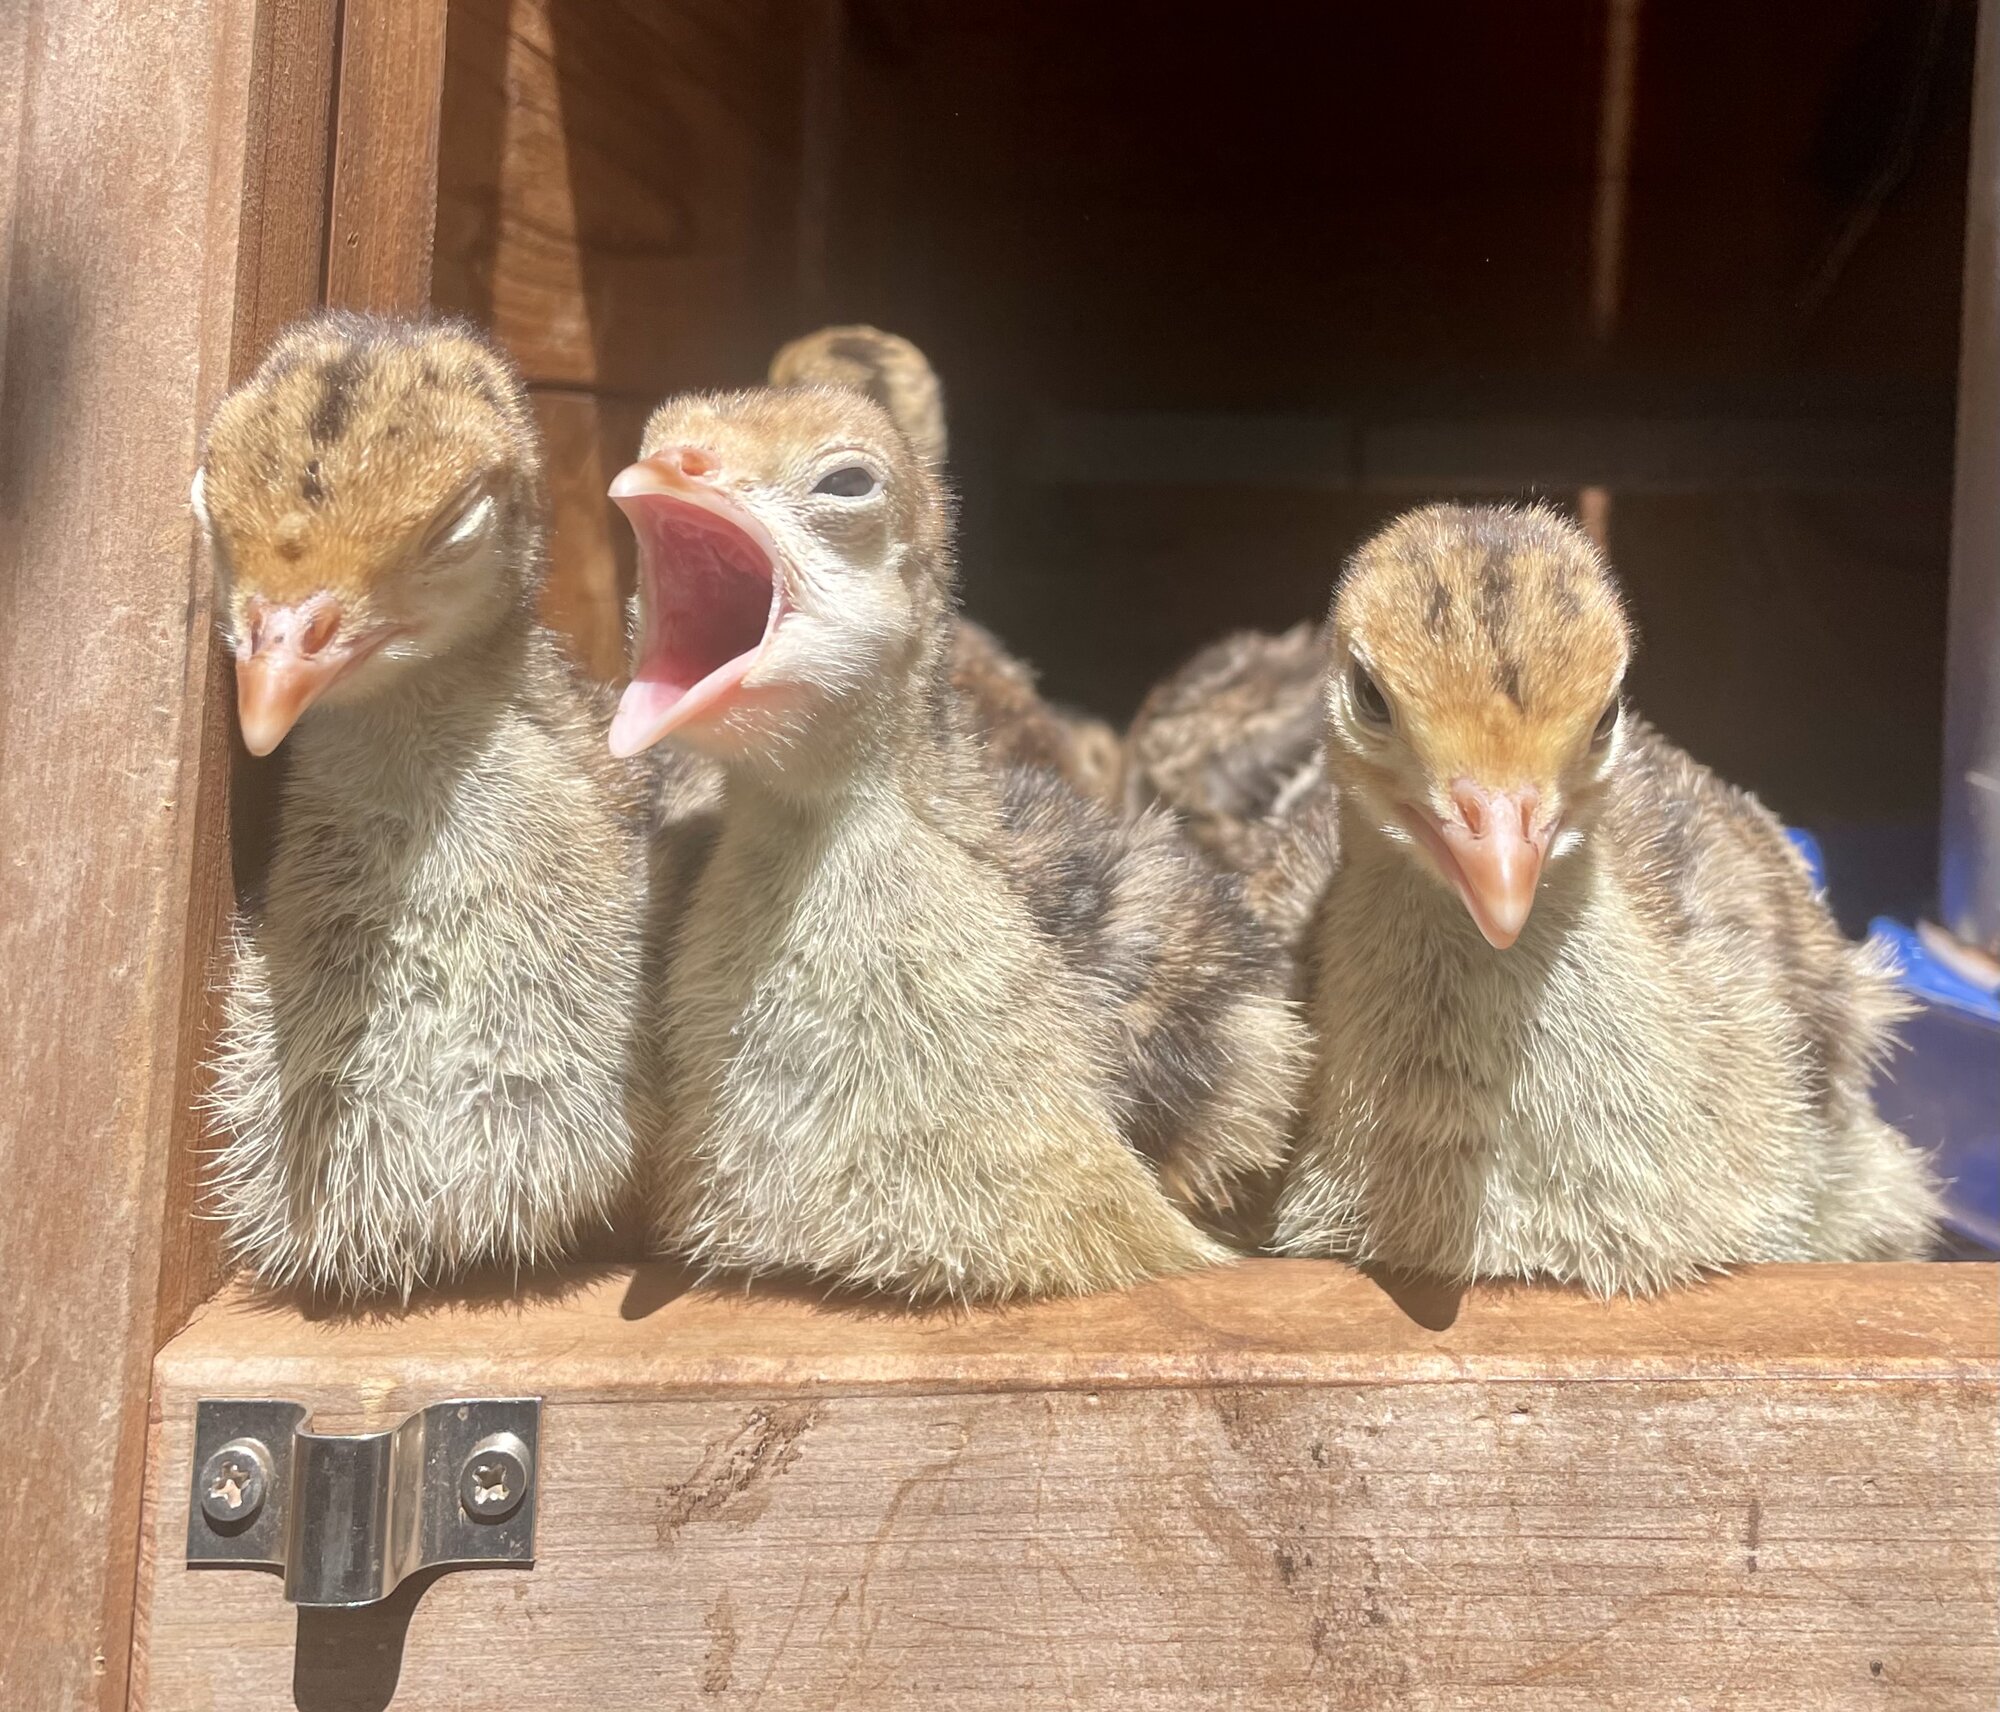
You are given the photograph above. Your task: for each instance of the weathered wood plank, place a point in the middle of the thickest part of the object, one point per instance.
(1269, 1487)
(383, 209)
(587, 440)
(620, 1332)
(145, 234)
(280, 208)
(618, 187)
(281, 259)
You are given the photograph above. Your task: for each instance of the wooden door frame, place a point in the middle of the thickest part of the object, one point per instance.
(171, 198)
(178, 182)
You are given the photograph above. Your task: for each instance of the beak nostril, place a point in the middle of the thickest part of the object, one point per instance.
(695, 463)
(1530, 803)
(1483, 810)
(319, 630)
(1471, 810)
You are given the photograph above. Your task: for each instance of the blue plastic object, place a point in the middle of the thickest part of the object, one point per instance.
(1926, 978)
(1942, 1088)
(1808, 847)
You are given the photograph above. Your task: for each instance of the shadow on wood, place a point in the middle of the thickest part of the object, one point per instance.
(351, 1661)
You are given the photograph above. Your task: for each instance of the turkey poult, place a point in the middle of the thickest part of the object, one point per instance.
(424, 1066)
(924, 1016)
(1580, 1013)
(883, 366)
(1008, 712)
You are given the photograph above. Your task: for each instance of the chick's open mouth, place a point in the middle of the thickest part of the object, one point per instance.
(709, 599)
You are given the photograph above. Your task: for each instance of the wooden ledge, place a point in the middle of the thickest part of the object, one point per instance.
(1282, 1485)
(624, 1332)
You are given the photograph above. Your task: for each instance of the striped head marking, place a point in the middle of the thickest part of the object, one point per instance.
(371, 497)
(1473, 701)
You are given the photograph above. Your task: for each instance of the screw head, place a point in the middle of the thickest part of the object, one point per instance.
(494, 1478)
(234, 1481)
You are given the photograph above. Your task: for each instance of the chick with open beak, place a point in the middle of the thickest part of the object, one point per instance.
(1579, 1010)
(934, 1028)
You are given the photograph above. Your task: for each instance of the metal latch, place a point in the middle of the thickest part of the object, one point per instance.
(346, 1516)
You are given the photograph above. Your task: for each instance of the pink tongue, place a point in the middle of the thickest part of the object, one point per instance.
(711, 601)
(640, 709)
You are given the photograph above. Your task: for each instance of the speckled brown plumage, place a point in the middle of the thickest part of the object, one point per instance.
(1230, 745)
(882, 366)
(425, 1064)
(1020, 729)
(1007, 710)
(1178, 959)
(925, 1016)
(1666, 1069)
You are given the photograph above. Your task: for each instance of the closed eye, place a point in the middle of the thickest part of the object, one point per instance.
(850, 481)
(460, 524)
(1607, 722)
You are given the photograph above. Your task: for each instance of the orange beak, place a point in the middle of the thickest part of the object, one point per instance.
(291, 657)
(1492, 852)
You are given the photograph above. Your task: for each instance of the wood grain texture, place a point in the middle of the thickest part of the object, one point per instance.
(617, 191)
(1267, 1487)
(146, 238)
(279, 204)
(586, 440)
(281, 258)
(383, 208)
(617, 194)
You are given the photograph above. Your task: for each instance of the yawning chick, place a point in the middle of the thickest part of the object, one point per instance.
(1007, 710)
(917, 1009)
(1580, 1012)
(424, 1065)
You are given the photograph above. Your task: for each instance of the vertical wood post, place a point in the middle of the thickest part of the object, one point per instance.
(385, 172)
(1970, 878)
(165, 171)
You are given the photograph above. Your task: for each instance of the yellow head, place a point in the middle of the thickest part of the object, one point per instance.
(371, 497)
(792, 561)
(1473, 707)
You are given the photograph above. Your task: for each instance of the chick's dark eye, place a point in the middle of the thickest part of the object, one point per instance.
(1607, 722)
(1368, 697)
(850, 481)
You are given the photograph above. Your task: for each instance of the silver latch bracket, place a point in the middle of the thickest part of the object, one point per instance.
(346, 1516)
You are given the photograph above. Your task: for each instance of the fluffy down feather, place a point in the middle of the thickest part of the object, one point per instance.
(928, 1024)
(426, 1059)
(1668, 1071)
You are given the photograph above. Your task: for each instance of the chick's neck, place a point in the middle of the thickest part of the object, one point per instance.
(432, 713)
(904, 748)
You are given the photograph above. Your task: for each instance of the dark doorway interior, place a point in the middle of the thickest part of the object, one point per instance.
(1214, 294)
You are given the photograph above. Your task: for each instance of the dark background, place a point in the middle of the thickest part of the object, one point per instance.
(1215, 292)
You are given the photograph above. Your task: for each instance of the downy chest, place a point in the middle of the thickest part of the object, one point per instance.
(1436, 1036)
(878, 945)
